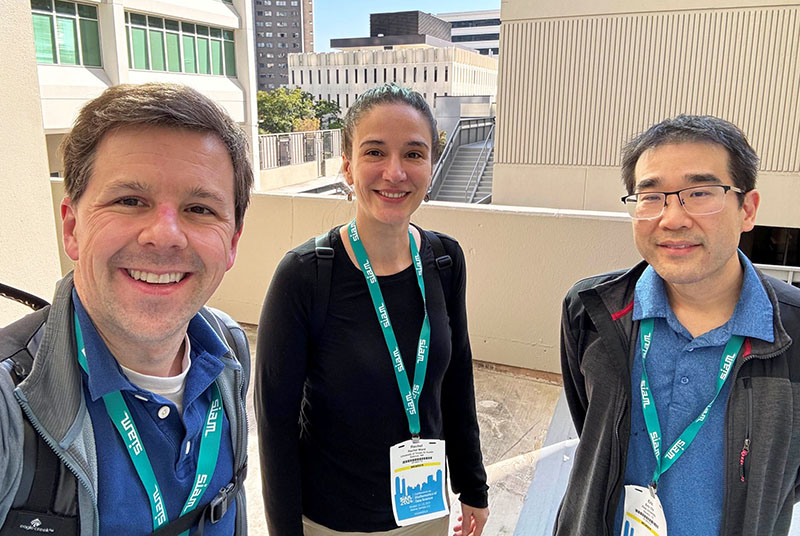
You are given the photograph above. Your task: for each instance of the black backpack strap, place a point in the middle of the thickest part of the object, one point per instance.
(443, 261)
(47, 497)
(319, 307)
(212, 512)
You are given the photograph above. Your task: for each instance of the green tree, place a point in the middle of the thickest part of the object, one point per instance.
(328, 114)
(279, 109)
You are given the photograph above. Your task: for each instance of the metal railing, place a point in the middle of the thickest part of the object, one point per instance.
(790, 274)
(483, 161)
(289, 148)
(467, 131)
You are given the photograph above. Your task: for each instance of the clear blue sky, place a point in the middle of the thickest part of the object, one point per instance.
(335, 19)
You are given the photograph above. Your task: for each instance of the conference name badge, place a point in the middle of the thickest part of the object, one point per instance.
(418, 481)
(644, 515)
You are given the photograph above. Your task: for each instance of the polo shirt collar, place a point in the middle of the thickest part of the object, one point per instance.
(106, 376)
(752, 316)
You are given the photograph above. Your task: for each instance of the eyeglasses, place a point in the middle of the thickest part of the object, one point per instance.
(695, 200)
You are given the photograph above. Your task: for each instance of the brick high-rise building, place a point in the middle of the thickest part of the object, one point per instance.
(281, 27)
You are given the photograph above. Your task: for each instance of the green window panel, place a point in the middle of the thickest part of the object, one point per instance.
(157, 59)
(42, 5)
(87, 12)
(216, 57)
(203, 56)
(90, 42)
(44, 39)
(189, 59)
(139, 48)
(65, 8)
(227, 34)
(216, 32)
(230, 59)
(173, 53)
(172, 25)
(67, 38)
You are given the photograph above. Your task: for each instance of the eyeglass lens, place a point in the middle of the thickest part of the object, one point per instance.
(697, 201)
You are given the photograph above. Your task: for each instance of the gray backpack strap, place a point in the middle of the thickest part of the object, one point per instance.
(233, 335)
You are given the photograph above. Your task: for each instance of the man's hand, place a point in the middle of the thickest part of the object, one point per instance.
(471, 521)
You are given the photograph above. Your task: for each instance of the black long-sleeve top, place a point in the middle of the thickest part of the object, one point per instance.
(329, 410)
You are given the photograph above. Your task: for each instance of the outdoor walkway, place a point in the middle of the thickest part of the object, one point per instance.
(514, 412)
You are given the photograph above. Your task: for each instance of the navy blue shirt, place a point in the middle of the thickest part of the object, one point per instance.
(682, 371)
(172, 443)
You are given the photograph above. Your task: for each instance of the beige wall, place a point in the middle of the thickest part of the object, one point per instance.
(576, 80)
(520, 263)
(298, 173)
(27, 233)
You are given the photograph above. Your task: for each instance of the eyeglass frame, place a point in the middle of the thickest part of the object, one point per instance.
(725, 189)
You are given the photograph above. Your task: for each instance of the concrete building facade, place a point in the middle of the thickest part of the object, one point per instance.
(433, 71)
(281, 27)
(82, 48)
(478, 30)
(577, 80)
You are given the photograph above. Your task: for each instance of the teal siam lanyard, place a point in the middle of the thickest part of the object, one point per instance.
(649, 408)
(409, 395)
(209, 445)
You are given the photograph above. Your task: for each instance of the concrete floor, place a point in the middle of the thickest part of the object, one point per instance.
(514, 411)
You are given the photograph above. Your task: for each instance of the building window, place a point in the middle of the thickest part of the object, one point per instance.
(319, 79)
(346, 76)
(414, 79)
(394, 74)
(435, 74)
(347, 100)
(294, 2)
(424, 74)
(301, 78)
(295, 45)
(445, 75)
(374, 76)
(337, 76)
(281, 24)
(293, 78)
(283, 45)
(280, 13)
(159, 44)
(329, 78)
(404, 75)
(295, 35)
(66, 35)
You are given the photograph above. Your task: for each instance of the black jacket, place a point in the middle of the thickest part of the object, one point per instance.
(598, 342)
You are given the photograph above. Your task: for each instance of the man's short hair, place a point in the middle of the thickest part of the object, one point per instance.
(157, 105)
(742, 159)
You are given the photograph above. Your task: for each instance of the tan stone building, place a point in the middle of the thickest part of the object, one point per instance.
(578, 79)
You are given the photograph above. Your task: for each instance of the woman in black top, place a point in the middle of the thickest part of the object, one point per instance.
(327, 399)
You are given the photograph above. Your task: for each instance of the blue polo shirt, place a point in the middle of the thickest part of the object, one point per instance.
(172, 442)
(683, 371)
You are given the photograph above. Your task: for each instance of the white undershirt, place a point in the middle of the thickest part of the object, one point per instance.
(171, 387)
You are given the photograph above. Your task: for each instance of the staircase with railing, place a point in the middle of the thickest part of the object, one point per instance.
(464, 171)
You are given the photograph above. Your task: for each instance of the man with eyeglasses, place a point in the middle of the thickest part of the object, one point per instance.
(680, 373)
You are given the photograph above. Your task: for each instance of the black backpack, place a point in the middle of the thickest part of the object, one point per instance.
(324, 252)
(47, 498)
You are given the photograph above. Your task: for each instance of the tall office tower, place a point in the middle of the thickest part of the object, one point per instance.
(281, 27)
(478, 30)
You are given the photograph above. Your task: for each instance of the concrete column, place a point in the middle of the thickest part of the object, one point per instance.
(27, 229)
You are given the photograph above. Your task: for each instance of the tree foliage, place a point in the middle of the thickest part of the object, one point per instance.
(291, 110)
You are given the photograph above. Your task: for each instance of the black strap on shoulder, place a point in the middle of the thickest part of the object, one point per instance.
(319, 308)
(444, 263)
(20, 296)
(212, 512)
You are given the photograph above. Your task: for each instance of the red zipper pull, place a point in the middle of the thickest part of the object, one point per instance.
(742, 456)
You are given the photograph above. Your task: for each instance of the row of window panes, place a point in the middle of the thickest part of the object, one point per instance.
(277, 3)
(66, 33)
(159, 44)
(374, 75)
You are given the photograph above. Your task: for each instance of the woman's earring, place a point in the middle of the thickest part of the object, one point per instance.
(427, 197)
(349, 195)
